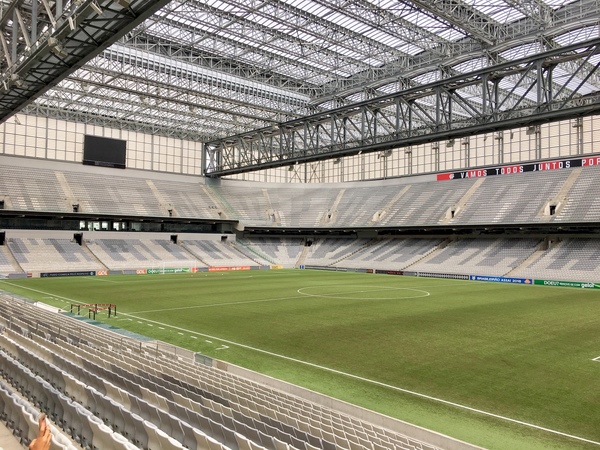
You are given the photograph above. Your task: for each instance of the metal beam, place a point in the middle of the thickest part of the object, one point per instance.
(70, 40)
(550, 86)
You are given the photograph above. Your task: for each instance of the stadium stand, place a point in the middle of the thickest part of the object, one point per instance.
(508, 199)
(518, 198)
(27, 190)
(7, 265)
(245, 204)
(582, 203)
(127, 396)
(576, 259)
(51, 255)
(118, 195)
(285, 252)
(120, 254)
(328, 251)
(186, 199)
(215, 253)
(300, 208)
(494, 257)
(390, 254)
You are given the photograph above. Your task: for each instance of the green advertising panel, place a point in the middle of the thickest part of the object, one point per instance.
(574, 284)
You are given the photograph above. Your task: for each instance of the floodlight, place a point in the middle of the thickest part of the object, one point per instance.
(56, 47)
(96, 8)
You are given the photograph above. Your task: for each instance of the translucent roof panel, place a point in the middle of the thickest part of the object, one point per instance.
(247, 64)
(498, 10)
(579, 35)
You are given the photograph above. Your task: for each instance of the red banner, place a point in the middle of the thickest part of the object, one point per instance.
(520, 168)
(227, 269)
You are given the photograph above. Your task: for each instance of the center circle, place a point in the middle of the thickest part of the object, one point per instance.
(346, 292)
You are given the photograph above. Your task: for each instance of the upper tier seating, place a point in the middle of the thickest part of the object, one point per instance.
(505, 199)
(518, 198)
(119, 195)
(583, 202)
(32, 190)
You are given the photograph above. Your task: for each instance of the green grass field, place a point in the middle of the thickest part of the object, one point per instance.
(522, 352)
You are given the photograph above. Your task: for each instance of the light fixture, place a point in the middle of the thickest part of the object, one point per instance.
(96, 8)
(17, 80)
(71, 23)
(56, 47)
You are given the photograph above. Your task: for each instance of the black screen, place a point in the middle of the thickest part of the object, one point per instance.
(106, 152)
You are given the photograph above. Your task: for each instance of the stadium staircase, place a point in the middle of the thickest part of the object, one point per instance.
(272, 213)
(455, 210)
(360, 249)
(330, 216)
(251, 251)
(303, 256)
(226, 212)
(164, 205)
(92, 254)
(250, 254)
(378, 215)
(70, 198)
(537, 254)
(560, 199)
(432, 253)
(12, 259)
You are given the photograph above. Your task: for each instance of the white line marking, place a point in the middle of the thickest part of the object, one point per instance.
(218, 304)
(379, 383)
(41, 292)
(596, 359)
(349, 375)
(339, 295)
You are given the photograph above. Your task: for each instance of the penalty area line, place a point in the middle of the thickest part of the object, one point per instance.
(378, 383)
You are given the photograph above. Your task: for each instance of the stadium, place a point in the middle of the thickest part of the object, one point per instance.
(300, 224)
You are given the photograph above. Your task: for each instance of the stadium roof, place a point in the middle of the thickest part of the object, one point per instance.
(205, 70)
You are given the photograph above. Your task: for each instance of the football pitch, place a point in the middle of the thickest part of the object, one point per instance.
(498, 365)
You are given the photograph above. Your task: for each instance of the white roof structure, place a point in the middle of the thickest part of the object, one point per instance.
(205, 70)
